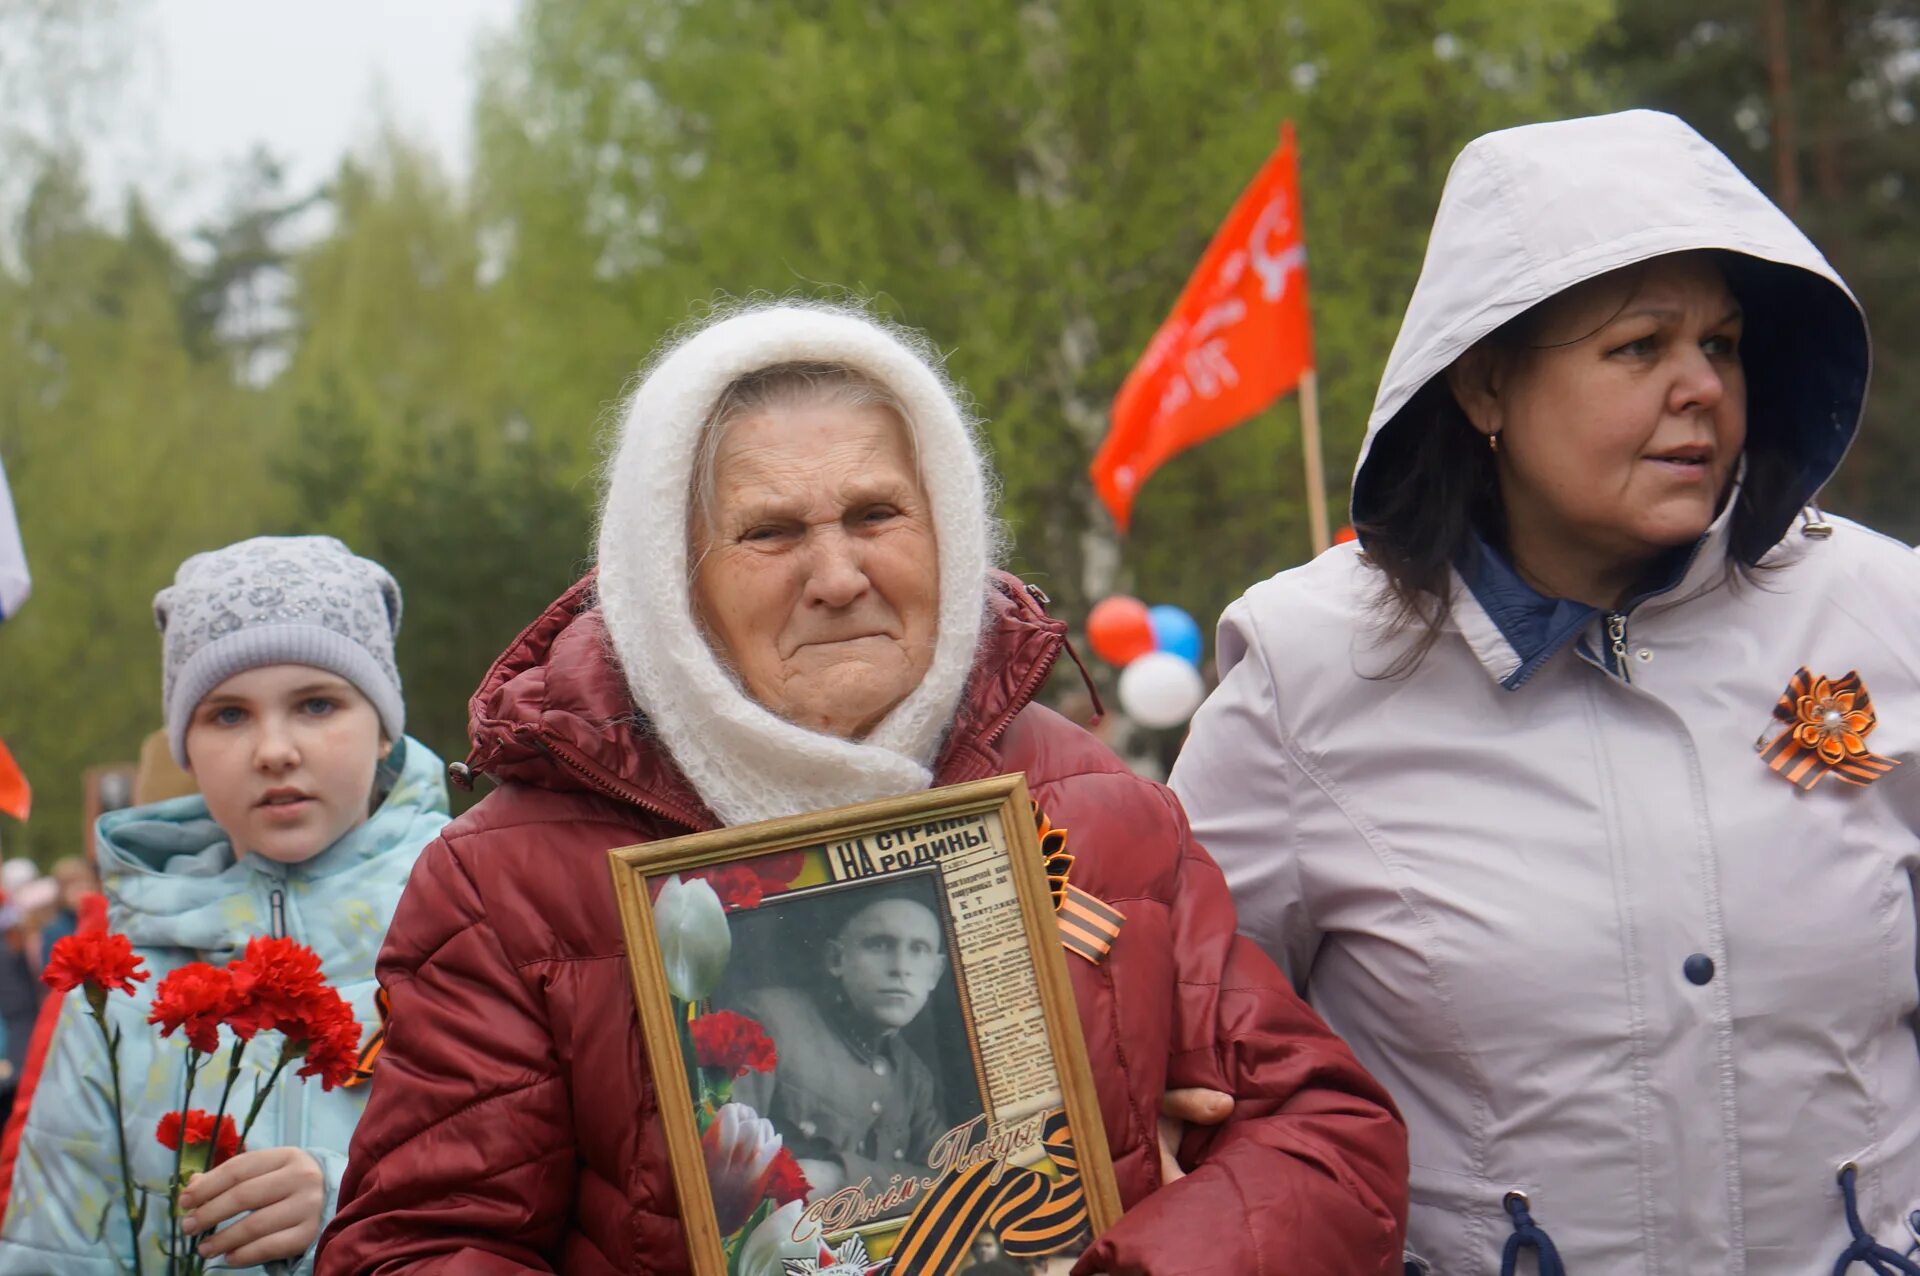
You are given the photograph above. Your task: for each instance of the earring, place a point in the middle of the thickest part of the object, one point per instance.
(1493, 442)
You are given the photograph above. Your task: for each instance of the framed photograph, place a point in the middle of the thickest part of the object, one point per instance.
(864, 1042)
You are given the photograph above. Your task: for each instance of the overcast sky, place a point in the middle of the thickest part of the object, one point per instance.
(308, 78)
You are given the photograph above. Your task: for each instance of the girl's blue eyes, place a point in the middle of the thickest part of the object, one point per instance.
(234, 715)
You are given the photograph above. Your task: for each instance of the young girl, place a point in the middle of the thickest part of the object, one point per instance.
(282, 700)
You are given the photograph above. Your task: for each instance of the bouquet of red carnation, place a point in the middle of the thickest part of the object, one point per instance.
(274, 986)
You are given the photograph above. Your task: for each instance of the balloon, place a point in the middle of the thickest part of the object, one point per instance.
(1161, 690)
(1175, 631)
(1344, 535)
(1119, 629)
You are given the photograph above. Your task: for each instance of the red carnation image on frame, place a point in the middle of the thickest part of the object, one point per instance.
(732, 1043)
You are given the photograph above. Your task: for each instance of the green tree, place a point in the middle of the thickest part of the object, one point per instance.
(409, 439)
(125, 454)
(1028, 181)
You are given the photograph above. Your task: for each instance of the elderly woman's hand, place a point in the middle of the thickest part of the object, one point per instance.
(1180, 1109)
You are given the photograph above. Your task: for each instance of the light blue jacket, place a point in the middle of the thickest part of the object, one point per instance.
(177, 891)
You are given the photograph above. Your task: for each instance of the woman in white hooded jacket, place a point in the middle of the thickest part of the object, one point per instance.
(1581, 796)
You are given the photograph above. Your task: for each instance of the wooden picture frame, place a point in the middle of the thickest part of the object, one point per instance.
(887, 982)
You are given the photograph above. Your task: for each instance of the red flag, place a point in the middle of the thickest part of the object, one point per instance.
(1238, 339)
(16, 797)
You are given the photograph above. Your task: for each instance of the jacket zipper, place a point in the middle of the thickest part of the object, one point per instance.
(1617, 644)
(1024, 696)
(579, 767)
(290, 1094)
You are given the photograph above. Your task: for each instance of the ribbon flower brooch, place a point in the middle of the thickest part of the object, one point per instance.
(1828, 721)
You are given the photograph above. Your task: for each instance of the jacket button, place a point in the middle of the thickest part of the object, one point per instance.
(1698, 969)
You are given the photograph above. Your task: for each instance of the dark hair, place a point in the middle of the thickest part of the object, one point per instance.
(1431, 481)
(914, 888)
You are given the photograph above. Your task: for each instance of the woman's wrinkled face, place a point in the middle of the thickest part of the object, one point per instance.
(817, 576)
(285, 756)
(1620, 427)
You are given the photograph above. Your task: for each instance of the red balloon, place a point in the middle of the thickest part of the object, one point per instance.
(1119, 629)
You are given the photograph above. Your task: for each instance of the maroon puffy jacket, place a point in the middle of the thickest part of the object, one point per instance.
(511, 1126)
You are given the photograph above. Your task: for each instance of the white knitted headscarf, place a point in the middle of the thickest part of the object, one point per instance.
(747, 763)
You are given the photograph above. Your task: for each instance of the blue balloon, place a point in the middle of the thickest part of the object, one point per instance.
(1174, 631)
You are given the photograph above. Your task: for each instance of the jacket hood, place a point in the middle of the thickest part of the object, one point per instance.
(555, 711)
(172, 879)
(1529, 212)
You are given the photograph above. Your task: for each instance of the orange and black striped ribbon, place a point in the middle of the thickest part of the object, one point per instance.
(1033, 1214)
(1088, 925)
(1804, 767)
(370, 1052)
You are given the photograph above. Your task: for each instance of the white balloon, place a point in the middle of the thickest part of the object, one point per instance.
(1161, 690)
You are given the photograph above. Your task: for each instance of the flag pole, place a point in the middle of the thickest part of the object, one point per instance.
(1316, 466)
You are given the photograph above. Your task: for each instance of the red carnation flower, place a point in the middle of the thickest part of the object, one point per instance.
(200, 1134)
(778, 870)
(737, 885)
(277, 979)
(732, 1043)
(786, 1182)
(100, 962)
(327, 1038)
(196, 998)
(745, 884)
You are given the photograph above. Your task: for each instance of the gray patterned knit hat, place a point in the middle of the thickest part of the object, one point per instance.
(272, 600)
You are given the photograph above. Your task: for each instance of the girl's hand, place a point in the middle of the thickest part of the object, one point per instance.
(280, 1190)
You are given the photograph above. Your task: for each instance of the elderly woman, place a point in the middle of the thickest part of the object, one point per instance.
(794, 609)
(1581, 797)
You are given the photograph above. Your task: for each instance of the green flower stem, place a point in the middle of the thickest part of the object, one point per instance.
(135, 1218)
(194, 1262)
(736, 1244)
(683, 1020)
(226, 1092)
(175, 1238)
(260, 1095)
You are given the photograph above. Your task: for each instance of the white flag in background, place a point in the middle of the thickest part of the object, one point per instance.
(14, 581)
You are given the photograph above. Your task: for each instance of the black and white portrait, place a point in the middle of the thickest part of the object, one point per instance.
(854, 984)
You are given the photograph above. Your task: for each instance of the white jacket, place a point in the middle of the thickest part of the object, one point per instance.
(1597, 949)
